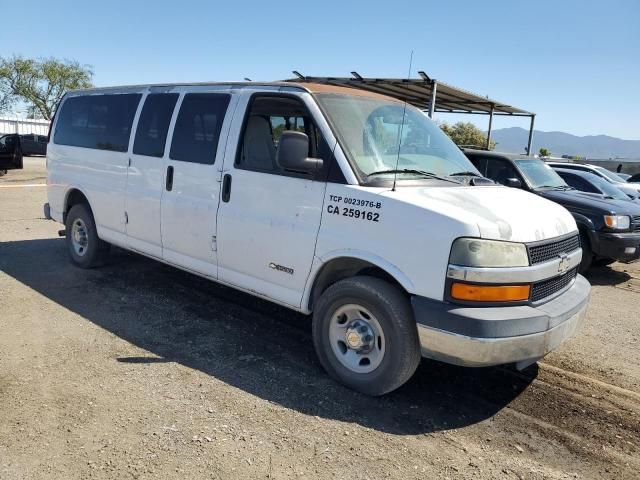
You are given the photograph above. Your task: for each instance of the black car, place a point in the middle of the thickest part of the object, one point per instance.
(609, 228)
(34, 144)
(590, 183)
(10, 153)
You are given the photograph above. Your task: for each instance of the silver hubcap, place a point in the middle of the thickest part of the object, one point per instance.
(79, 237)
(356, 338)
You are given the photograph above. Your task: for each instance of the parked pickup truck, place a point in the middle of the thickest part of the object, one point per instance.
(609, 227)
(10, 153)
(33, 144)
(332, 201)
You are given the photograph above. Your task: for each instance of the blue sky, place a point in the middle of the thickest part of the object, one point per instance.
(574, 63)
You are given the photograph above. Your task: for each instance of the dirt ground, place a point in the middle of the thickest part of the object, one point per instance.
(138, 370)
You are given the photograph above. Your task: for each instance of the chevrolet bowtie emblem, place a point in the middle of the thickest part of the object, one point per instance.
(563, 266)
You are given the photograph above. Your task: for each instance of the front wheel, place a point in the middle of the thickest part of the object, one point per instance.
(85, 247)
(365, 335)
(587, 253)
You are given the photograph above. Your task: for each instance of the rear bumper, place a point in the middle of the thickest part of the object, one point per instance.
(478, 337)
(616, 245)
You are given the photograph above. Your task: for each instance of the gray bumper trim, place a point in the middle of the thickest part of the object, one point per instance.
(563, 319)
(502, 321)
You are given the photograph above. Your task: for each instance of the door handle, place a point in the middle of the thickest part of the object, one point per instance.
(169, 179)
(226, 188)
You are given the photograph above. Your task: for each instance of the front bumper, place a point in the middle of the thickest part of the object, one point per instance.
(613, 245)
(486, 336)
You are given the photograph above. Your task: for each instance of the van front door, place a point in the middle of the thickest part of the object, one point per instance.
(10, 152)
(269, 218)
(191, 187)
(145, 175)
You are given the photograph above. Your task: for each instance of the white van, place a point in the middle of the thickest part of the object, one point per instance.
(331, 201)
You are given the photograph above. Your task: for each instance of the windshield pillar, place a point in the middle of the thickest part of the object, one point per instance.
(533, 119)
(432, 100)
(490, 125)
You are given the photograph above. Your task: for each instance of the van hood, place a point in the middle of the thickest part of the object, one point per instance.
(500, 213)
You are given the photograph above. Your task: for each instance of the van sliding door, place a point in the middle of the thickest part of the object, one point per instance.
(191, 188)
(146, 173)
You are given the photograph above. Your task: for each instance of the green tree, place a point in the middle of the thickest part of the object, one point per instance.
(466, 133)
(544, 152)
(40, 83)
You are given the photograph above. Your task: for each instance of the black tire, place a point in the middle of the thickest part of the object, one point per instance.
(603, 262)
(96, 251)
(587, 253)
(394, 314)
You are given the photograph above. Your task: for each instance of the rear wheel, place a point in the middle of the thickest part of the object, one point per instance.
(587, 253)
(365, 335)
(83, 244)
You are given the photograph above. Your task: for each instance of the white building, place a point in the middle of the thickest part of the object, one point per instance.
(23, 126)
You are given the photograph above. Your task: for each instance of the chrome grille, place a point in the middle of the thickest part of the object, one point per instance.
(546, 288)
(543, 252)
(636, 224)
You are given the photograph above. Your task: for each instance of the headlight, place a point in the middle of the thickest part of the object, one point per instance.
(475, 252)
(617, 222)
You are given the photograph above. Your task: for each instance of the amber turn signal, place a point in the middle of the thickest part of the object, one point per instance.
(489, 293)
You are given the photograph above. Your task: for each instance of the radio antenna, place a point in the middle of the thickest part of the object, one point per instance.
(404, 112)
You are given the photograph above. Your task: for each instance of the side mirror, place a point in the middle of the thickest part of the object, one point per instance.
(293, 151)
(513, 183)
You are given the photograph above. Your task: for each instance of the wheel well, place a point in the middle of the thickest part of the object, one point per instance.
(74, 197)
(341, 268)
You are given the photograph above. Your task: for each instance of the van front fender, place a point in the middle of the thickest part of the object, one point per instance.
(319, 263)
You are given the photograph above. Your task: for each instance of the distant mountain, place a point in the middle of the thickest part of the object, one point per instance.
(559, 143)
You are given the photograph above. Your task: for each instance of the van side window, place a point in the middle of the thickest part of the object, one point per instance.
(267, 118)
(153, 125)
(197, 130)
(97, 121)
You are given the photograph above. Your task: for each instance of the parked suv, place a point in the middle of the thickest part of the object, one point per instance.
(331, 201)
(10, 153)
(609, 227)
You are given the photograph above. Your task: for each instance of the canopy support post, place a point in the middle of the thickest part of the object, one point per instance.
(490, 125)
(533, 119)
(432, 102)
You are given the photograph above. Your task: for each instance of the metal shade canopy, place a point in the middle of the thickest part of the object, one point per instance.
(429, 95)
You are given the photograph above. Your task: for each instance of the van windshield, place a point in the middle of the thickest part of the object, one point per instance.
(372, 132)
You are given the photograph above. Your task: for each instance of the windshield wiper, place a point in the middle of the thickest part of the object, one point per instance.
(556, 187)
(422, 173)
(464, 174)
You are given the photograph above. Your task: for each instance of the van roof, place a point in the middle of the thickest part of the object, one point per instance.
(309, 87)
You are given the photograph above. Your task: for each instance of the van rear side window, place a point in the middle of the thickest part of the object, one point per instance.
(97, 121)
(153, 125)
(197, 129)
